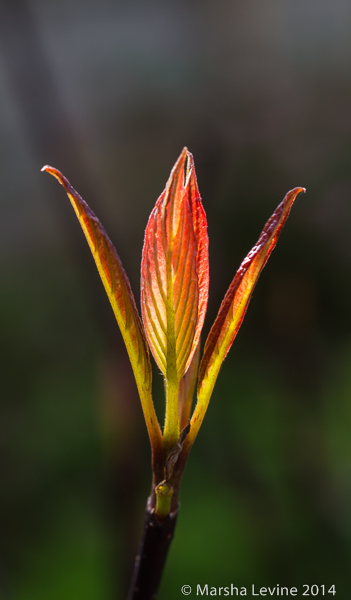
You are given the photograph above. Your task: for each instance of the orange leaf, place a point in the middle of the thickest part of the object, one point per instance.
(174, 280)
(119, 292)
(233, 308)
(202, 265)
(174, 271)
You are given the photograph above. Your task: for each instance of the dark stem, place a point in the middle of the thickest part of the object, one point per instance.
(151, 558)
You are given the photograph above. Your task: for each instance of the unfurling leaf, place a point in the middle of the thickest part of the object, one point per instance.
(233, 308)
(202, 264)
(174, 271)
(174, 280)
(119, 292)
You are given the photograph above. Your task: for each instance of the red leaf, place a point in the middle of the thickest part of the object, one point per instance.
(233, 308)
(174, 271)
(202, 264)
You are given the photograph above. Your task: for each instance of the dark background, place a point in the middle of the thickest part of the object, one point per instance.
(109, 93)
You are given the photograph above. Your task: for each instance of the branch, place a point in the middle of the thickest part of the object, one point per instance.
(151, 558)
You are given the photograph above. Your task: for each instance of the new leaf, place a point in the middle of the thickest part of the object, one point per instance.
(174, 281)
(233, 308)
(119, 292)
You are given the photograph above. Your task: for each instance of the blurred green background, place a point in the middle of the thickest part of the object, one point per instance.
(109, 93)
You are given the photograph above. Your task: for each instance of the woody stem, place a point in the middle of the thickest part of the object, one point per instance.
(151, 557)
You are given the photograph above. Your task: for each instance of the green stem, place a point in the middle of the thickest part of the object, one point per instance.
(171, 431)
(164, 493)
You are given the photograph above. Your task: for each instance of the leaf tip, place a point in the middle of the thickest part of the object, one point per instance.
(55, 172)
(295, 192)
(61, 178)
(184, 154)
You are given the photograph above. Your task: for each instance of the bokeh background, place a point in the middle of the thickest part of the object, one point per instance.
(109, 93)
